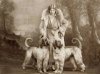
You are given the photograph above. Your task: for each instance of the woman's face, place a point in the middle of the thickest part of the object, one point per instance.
(52, 11)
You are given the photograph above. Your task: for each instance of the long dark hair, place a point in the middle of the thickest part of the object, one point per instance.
(52, 6)
(59, 14)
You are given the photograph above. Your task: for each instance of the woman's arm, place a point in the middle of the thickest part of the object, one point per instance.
(42, 26)
(63, 21)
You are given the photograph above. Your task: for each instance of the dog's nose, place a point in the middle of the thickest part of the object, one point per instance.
(60, 34)
(58, 43)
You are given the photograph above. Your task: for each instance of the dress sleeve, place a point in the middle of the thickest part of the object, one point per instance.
(64, 22)
(42, 26)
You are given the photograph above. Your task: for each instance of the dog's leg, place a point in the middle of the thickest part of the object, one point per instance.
(57, 66)
(82, 66)
(73, 62)
(45, 63)
(34, 64)
(27, 58)
(61, 65)
(39, 65)
(79, 61)
(53, 66)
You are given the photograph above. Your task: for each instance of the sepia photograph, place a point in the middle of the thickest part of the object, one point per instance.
(49, 36)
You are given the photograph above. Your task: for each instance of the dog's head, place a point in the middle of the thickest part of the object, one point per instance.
(57, 44)
(44, 42)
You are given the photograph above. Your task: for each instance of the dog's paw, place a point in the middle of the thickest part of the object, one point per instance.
(44, 70)
(59, 72)
(23, 67)
(53, 67)
(45, 73)
(56, 71)
(82, 70)
(41, 72)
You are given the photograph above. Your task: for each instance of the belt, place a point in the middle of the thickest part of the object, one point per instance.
(52, 28)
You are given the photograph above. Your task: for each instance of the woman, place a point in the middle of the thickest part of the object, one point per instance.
(53, 25)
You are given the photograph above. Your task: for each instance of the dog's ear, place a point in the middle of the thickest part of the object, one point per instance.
(54, 44)
(40, 43)
(47, 41)
(41, 36)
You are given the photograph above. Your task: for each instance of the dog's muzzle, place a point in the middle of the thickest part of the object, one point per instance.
(57, 44)
(44, 42)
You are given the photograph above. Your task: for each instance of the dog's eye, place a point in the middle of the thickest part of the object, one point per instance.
(45, 40)
(60, 34)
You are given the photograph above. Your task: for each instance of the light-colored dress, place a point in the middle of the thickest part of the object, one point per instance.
(50, 26)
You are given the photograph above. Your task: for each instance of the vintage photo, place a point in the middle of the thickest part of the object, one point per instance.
(49, 36)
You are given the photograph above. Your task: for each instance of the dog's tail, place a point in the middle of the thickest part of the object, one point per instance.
(26, 42)
(74, 40)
